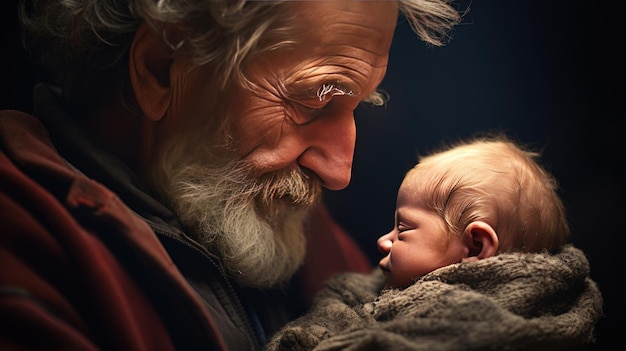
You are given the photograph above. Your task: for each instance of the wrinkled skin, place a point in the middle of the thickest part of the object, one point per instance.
(283, 124)
(297, 118)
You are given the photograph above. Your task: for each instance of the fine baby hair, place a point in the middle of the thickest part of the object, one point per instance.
(496, 180)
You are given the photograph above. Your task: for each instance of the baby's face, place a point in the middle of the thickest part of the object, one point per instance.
(418, 243)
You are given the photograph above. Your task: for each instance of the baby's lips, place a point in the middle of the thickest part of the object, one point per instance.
(384, 268)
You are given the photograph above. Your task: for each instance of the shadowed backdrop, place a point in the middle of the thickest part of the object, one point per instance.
(549, 73)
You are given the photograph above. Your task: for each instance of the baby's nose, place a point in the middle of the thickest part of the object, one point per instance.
(384, 243)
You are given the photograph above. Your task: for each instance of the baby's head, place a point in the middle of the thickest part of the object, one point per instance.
(496, 181)
(470, 201)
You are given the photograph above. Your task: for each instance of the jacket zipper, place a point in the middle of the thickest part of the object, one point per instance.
(238, 304)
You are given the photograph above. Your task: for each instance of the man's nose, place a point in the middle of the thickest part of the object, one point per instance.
(331, 150)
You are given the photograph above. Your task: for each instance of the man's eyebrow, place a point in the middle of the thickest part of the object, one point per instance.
(333, 89)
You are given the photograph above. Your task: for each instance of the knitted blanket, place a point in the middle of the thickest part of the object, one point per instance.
(513, 301)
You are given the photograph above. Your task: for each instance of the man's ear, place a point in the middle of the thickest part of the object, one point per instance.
(149, 69)
(481, 241)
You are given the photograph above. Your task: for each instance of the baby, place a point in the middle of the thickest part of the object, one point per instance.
(478, 259)
(469, 202)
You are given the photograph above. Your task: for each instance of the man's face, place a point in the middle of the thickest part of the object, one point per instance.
(294, 131)
(301, 114)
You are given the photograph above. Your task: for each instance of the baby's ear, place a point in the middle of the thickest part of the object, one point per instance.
(481, 241)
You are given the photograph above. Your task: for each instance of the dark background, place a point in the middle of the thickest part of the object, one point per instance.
(547, 72)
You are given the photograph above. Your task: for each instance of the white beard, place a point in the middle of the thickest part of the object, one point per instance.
(255, 224)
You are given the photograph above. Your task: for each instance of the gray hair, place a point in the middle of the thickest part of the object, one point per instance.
(85, 42)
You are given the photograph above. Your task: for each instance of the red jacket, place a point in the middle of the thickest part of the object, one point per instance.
(80, 270)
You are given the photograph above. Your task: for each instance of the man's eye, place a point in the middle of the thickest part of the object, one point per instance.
(306, 107)
(303, 113)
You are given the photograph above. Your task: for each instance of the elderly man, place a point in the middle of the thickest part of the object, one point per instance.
(158, 195)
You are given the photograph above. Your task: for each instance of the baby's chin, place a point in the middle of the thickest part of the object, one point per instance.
(388, 278)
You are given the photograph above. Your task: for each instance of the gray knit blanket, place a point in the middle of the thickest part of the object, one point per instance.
(513, 301)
